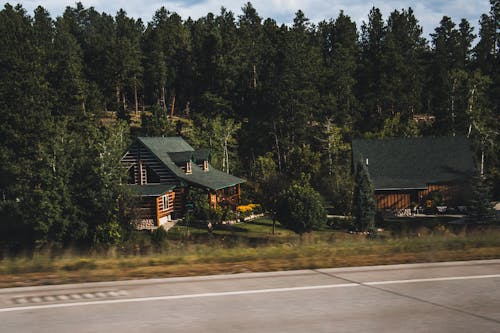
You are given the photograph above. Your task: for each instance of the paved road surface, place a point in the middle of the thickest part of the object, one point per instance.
(442, 297)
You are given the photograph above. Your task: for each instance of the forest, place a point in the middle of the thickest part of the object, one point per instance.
(275, 104)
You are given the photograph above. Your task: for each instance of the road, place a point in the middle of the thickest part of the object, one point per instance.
(440, 297)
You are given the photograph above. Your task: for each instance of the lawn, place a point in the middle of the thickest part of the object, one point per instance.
(246, 247)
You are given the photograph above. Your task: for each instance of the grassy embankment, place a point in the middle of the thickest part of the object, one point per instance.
(250, 247)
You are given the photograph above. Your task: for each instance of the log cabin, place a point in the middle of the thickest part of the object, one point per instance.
(405, 170)
(162, 169)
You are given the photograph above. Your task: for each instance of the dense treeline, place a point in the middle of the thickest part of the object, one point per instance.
(275, 103)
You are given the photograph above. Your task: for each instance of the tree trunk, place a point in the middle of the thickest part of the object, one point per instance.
(226, 155)
(453, 107)
(135, 98)
(162, 100)
(277, 144)
(117, 96)
(482, 158)
(254, 78)
(172, 107)
(471, 107)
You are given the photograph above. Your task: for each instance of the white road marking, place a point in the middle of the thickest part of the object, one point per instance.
(36, 299)
(241, 292)
(49, 298)
(450, 278)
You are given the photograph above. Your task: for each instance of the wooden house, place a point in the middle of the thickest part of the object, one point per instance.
(162, 169)
(406, 170)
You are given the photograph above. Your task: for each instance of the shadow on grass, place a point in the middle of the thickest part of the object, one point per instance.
(269, 224)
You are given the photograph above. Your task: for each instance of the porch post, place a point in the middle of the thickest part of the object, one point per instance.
(158, 200)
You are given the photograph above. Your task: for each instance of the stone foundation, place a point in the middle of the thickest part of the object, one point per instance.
(144, 224)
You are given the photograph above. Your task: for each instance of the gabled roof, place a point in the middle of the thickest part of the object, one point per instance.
(153, 190)
(162, 144)
(212, 179)
(182, 157)
(412, 163)
(174, 150)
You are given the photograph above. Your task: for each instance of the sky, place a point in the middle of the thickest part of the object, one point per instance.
(428, 12)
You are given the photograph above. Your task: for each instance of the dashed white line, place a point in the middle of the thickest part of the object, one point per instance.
(241, 292)
(49, 298)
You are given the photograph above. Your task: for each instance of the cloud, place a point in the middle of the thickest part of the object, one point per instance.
(428, 12)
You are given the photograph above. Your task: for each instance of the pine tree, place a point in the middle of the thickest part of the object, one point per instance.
(364, 206)
(369, 86)
(26, 131)
(340, 52)
(402, 65)
(128, 59)
(480, 208)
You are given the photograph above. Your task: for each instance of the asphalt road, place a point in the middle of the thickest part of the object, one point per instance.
(442, 297)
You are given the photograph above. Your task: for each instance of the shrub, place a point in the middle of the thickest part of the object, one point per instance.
(300, 209)
(247, 210)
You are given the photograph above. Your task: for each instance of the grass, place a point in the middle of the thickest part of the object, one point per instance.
(247, 247)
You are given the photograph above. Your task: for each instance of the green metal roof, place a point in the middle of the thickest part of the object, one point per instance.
(201, 155)
(412, 163)
(169, 144)
(181, 156)
(212, 179)
(151, 190)
(164, 148)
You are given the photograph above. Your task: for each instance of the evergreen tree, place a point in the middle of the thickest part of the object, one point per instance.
(402, 65)
(364, 206)
(369, 86)
(128, 63)
(166, 47)
(67, 84)
(31, 203)
(156, 123)
(340, 52)
(480, 208)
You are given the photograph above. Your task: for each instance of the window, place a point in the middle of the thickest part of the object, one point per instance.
(131, 175)
(189, 168)
(151, 176)
(166, 202)
(205, 165)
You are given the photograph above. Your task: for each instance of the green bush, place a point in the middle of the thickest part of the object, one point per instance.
(300, 209)
(341, 223)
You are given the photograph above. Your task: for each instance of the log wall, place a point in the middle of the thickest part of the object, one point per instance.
(162, 211)
(452, 194)
(137, 157)
(392, 200)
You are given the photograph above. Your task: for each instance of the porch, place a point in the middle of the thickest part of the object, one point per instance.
(229, 196)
